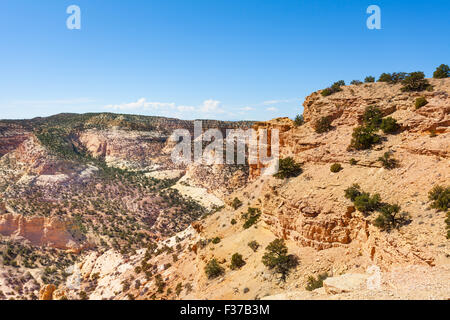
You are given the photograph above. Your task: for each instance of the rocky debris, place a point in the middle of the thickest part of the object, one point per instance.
(403, 283)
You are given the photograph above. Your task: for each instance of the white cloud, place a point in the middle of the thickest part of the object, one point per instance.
(270, 102)
(247, 109)
(208, 107)
(211, 106)
(272, 109)
(142, 104)
(185, 108)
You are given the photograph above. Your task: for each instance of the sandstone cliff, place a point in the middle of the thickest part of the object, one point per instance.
(321, 227)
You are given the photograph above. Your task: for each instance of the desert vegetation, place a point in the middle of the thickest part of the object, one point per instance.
(213, 269)
(237, 261)
(415, 81)
(336, 167)
(251, 217)
(442, 72)
(387, 161)
(365, 136)
(420, 102)
(276, 258)
(390, 215)
(316, 283)
(288, 168)
(299, 121)
(236, 203)
(335, 87)
(440, 198)
(392, 78)
(323, 124)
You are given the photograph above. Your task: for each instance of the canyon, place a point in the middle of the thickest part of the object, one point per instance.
(102, 190)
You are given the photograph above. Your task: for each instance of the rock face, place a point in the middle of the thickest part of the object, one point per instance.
(311, 209)
(126, 149)
(282, 125)
(314, 222)
(40, 231)
(346, 107)
(35, 159)
(11, 136)
(46, 292)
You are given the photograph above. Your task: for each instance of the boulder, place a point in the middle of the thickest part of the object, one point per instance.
(345, 283)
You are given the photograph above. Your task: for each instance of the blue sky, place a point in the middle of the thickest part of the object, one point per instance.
(221, 59)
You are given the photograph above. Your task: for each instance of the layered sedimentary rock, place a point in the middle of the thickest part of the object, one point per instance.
(313, 211)
(11, 136)
(40, 231)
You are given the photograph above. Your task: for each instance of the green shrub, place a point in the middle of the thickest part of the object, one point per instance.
(363, 138)
(443, 71)
(233, 221)
(160, 284)
(385, 77)
(372, 117)
(387, 161)
(353, 162)
(356, 82)
(251, 217)
(254, 245)
(389, 125)
(236, 261)
(335, 87)
(178, 289)
(299, 121)
(367, 203)
(390, 217)
(420, 102)
(125, 285)
(415, 81)
(83, 295)
(213, 269)
(440, 198)
(335, 167)
(323, 124)
(236, 203)
(277, 259)
(314, 283)
(433, 133)
(369, 79)
(215, 240)
(393, 78)
(288, 168)
(326, 92)
(353, 192)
